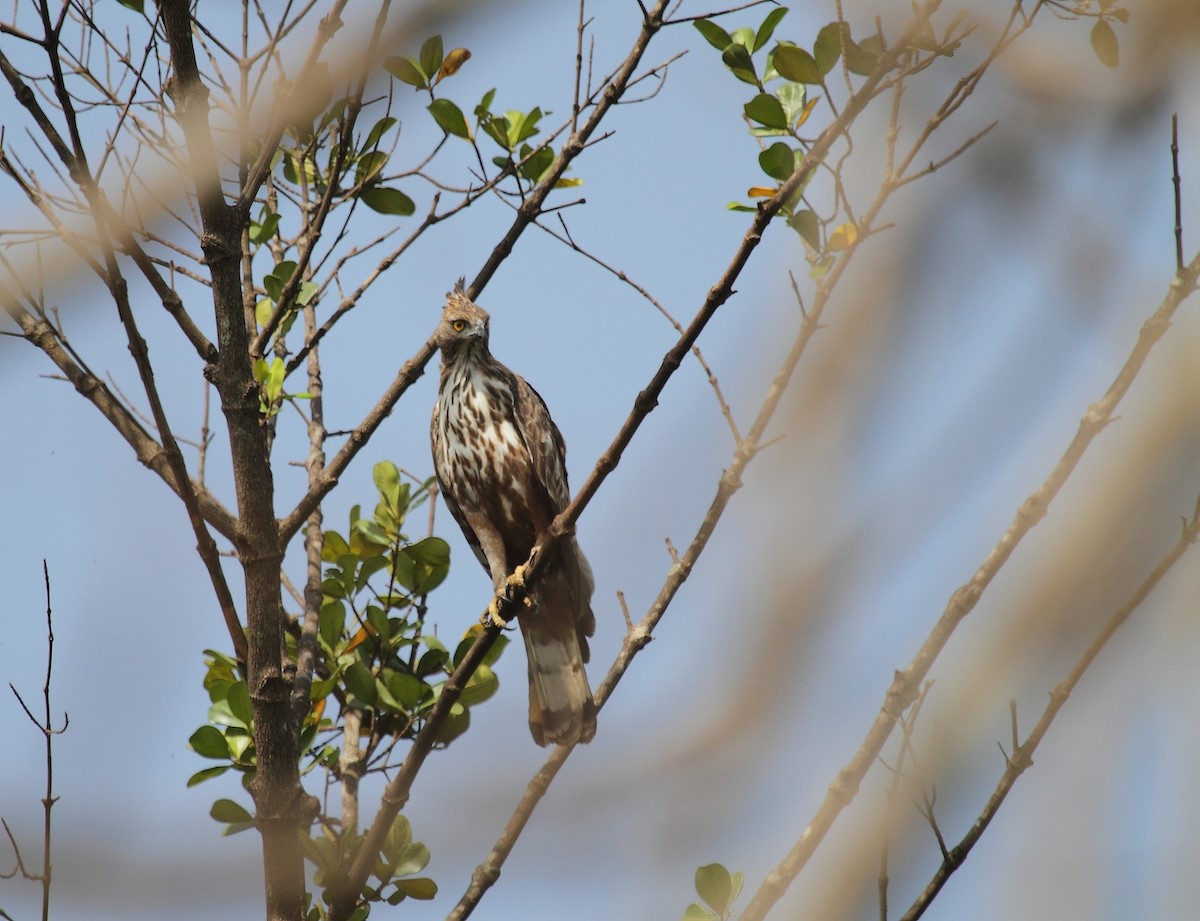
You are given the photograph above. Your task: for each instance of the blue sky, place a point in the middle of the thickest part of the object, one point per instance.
(960, 353)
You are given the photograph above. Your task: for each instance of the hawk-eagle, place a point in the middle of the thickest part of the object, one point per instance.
(500, 463)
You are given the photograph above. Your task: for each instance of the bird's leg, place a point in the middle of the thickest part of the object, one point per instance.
(514, 581)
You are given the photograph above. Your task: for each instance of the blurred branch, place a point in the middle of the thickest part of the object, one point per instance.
(903, 689)
(1022, 755)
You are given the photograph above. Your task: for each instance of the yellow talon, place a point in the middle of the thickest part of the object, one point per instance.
(515, 581)
(493, 615)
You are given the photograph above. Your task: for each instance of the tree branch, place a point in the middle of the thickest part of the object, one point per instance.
(1022, 756)
(903, 689)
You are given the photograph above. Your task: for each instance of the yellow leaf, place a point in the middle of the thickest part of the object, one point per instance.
(758, 191)
(843, 237)
(452, 62)
(472, 631)
(318, 710)
(808, 107)
(364, 633)
(568, 182)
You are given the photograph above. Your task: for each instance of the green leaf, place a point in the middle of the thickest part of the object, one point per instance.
(377, 132)
(399, 837)
(522, 126)
(384, 699)
(737, 59)
(535, 164)
(263, 311)
(715, 886)
(407, 689)
(743, 37)
(226, 810)
(496, 127)
(386, 477)
(135, 5)
(698, 913)
(369, 166)
(432, 661)
(332, 622)
(485, 104)
(209, 742)
(713, 34)
(795, 64)
(1104, 43)
(239, 703)
(406, 69)
(370, 530)
(778, 161)
(335, 547)
(207, 774)
(240, 746)
(306, 292)
(378, 619)
(767, 29)
(449, 118)
(431, 55)
(457, 722)
(265, 227)
(792, 96)
(279, 276)
(361, 683)
(421, 888)
(806, 224)
(431, 559)
(861, 56)
(497, 648)
(483, 684)
(413, 859)
(828, 46)
(766, 110)
(404, 570)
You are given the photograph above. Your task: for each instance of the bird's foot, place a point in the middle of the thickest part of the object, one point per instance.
(493, 616)
(515, 581)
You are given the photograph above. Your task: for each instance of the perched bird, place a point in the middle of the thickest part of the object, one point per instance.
(500, 463)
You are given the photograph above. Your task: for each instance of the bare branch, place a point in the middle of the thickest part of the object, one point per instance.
(1175, 182)
(1022, 756)
(903, 689)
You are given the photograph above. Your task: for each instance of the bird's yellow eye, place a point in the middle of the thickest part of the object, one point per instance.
(458, 325)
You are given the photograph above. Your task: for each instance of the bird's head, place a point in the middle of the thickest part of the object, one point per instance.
(464, 326)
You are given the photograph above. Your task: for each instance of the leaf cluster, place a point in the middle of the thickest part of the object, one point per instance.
(783, 74)
(375, 659)
(396, 867)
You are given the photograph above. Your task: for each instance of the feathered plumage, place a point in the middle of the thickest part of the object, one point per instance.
(500, 463)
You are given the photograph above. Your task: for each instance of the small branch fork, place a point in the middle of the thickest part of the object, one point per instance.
(46, 728)
(1021, 758)
(908, 724)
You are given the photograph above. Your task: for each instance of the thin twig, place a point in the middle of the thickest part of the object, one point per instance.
(1178, 200)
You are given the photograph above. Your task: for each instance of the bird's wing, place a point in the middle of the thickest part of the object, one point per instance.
(544, 442)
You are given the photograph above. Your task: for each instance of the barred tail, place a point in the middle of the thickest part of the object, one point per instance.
(561, 709)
